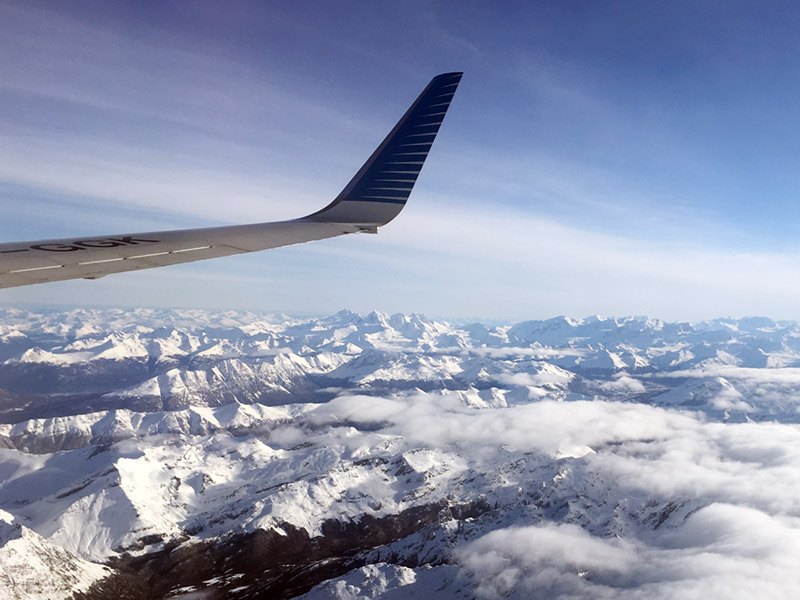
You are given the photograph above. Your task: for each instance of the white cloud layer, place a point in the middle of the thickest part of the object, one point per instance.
(730, 496)
(721, 551)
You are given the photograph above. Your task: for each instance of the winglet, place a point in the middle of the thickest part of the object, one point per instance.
(380, 189)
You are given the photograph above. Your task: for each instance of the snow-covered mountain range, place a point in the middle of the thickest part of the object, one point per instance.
(157, 453)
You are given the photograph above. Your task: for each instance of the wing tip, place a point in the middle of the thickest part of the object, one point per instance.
(381, 188)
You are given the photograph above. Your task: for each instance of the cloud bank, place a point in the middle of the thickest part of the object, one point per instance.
(668, 505)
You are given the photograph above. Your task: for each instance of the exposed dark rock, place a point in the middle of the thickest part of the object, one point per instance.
(276, 564)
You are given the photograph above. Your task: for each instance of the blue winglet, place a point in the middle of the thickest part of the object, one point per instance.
(382, 186)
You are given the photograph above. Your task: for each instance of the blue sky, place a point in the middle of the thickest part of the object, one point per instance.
(615, 158)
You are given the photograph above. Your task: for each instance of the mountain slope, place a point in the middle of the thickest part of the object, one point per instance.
(235, 455)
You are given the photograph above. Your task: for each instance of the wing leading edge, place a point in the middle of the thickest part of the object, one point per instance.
(375, 196)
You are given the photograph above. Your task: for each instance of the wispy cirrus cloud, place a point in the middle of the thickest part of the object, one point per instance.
(545, 194)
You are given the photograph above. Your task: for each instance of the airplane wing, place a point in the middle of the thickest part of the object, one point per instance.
(375, 196)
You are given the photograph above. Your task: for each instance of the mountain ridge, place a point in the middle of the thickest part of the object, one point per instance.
(387, 453)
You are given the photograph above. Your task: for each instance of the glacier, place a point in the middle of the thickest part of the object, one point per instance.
(185, 453)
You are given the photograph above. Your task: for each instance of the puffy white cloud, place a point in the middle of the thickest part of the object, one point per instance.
(547, 561)
(721, 551)
(620, 383)
(787, 375)
(542, 352)
(549, 376)
(737, 486)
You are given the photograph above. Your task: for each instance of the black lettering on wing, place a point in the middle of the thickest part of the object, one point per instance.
(56, 247)
(127, 240)
(98, 244)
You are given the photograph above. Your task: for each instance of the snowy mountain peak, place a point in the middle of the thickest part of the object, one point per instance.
(240, 455)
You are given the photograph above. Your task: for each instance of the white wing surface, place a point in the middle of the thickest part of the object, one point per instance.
(375, 195)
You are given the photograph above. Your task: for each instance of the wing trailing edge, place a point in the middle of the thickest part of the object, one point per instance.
(376, 195)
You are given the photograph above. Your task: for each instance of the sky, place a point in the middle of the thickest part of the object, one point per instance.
(616, 158)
